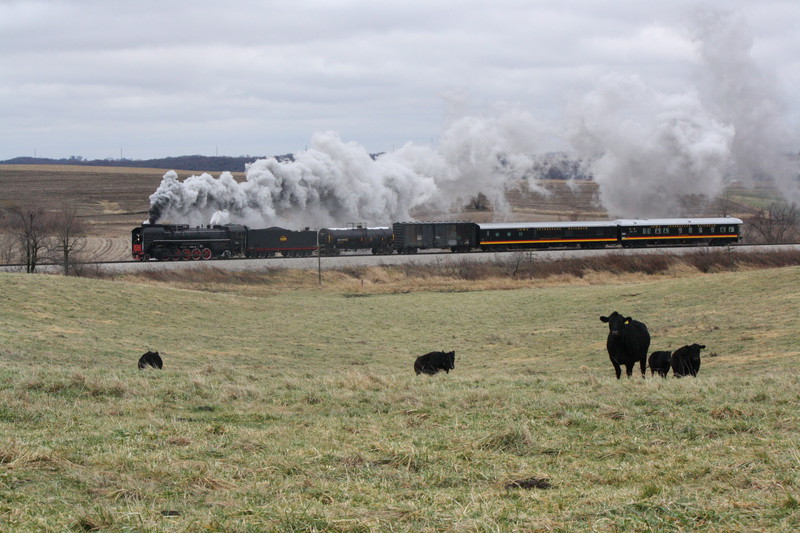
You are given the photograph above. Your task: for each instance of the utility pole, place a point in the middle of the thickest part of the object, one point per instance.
(319, 261)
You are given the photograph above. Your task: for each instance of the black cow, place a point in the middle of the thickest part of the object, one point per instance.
(627, 343)
(151, 359)
(660, 362)
(432, 362)
(686, 360)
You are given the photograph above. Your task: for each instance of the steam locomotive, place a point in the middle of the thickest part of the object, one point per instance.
(181, 242)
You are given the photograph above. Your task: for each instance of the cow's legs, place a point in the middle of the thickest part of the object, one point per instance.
(643, 366)
(617, 368)
(628, 369)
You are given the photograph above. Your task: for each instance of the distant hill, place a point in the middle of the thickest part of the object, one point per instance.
(199, 163)
(552, 166)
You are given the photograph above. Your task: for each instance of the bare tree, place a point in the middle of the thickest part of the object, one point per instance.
(7, 245)
(778, 224)
(7, 242)
(69, 236)
(479, 203)
(31, 226)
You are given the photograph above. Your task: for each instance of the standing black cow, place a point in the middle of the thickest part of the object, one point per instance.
(432, 362)
(660, 362)
(686, 360)
(627, 343)
(151, 359)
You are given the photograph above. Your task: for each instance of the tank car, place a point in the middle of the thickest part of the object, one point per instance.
(333, 241)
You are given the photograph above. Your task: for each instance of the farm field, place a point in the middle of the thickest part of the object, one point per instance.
(286, 407)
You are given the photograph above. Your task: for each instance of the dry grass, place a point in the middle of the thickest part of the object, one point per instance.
(509, 272)
(294, 408)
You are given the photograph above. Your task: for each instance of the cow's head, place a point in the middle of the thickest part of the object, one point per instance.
(694, 353)
(450, 357)
(615, 322)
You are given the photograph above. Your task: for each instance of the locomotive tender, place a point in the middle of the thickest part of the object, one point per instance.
(180, 242)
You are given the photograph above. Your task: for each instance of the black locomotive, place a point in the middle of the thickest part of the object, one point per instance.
(180, 242)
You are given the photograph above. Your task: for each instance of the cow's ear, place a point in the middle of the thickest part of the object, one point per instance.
(702, 346)
(603, 319)
(628, 320)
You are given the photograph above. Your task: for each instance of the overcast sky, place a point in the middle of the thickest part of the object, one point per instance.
(148, 79)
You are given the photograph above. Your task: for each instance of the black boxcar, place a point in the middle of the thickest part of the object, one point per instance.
(181, 242)
(409, 237)
(525, 235)
(679, 231)
(333, 241)
(269, 241)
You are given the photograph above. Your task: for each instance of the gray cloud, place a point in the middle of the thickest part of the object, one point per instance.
(151, 79)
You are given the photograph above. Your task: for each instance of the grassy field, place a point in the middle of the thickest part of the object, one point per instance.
(286, 407)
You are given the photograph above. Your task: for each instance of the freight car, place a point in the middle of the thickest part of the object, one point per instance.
(333, 241)
(410, 237)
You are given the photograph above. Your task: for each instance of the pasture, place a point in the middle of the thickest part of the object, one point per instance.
(287, 407)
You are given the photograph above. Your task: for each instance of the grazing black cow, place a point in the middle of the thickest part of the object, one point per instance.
(432, 362)
(151, 359)
(660, 362)
(627, 343)
(686, 360)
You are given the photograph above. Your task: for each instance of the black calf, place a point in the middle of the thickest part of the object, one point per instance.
(433, 362)
(660, 362)
(151, 359)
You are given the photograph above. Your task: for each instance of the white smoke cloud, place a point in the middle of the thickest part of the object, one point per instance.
(336, 182)
(742, 94)
(647, 149)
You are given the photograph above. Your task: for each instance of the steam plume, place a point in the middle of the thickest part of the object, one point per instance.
(647, 149)
(336, 182)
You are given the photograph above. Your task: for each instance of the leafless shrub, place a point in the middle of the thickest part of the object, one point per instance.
(779, 223)
(32, 227)
(68, 237)
(8, 252)
(479, 203)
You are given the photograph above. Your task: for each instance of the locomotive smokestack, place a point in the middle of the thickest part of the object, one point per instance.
(155, 213)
